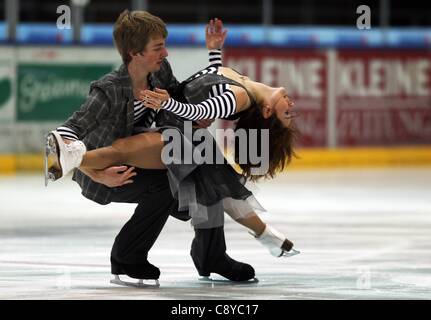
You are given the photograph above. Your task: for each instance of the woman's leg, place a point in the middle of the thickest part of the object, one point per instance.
(253, 222)
(141, 151)
(242, 212)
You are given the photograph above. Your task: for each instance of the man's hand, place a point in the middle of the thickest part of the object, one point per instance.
(215, 35)
(204, 123)
(113, 176)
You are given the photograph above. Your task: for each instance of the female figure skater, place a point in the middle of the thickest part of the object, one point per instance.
(205, 190)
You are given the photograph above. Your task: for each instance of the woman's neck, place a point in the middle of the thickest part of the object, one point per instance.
(261, 91)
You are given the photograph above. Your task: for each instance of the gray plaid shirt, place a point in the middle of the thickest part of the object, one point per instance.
(107, 115)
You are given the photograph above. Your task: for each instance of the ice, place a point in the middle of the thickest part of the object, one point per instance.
(363, 234)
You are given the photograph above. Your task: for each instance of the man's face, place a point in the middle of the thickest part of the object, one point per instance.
(152, 57)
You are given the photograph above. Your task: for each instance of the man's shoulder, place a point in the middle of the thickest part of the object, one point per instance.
(109, 78)
(115, 81)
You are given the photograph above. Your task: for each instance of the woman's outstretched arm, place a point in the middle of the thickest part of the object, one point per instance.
(227, 101)
(220, 106)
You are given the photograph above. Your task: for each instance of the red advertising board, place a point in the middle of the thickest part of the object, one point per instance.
(377, 97)
(383, 97)
(301, 72)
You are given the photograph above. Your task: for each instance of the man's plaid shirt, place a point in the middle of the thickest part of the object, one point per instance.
(107, 115)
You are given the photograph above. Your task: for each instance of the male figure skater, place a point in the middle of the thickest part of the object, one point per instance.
(112, 111)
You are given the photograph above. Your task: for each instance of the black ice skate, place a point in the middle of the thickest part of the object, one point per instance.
(144, 273)
(234, 271)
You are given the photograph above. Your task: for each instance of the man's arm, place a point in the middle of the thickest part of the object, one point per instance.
(111, 177)
(94, 110)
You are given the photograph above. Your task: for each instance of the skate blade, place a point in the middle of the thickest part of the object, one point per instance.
(140, 284)
(52, 161)
(291, 253)
(227, 281)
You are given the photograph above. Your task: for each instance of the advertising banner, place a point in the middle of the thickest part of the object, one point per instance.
(383, 97)
(7, 82)
(348, 97)
(302, 72)
(7, 100)
(50, 92)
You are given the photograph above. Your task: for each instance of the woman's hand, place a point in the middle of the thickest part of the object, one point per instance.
(215, 35)
(153, 99)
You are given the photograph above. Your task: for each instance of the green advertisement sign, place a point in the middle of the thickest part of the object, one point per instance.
(5, 91)
(7, 99)
(52, 92)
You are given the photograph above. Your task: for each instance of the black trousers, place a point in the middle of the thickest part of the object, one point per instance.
(151, 191)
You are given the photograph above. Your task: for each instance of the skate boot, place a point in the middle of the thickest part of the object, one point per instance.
(61, 158)
(208, 252)
(144, 271)
(231, 269)
(276, 242)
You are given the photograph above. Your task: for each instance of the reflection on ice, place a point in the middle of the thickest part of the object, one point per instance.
(362, 235)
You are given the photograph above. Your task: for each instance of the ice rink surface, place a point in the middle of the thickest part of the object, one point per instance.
(363, 234)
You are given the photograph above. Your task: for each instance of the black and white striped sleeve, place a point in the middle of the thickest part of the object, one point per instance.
(215, 58)
(67, 133)
(220, 106)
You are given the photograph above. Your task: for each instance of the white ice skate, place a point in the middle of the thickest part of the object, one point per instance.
(61, 158)
(139, 284)
(276, 242)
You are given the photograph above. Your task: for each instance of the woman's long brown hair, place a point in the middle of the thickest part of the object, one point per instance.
(281, 142)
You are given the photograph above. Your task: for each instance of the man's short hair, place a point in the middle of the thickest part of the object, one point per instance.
(134, 29)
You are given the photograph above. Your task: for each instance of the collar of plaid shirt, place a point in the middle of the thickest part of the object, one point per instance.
(126, 84)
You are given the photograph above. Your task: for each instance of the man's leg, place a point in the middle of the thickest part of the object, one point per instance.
(209, 255)
(151, 191)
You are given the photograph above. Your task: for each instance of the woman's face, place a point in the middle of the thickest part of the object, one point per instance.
(281, 106)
